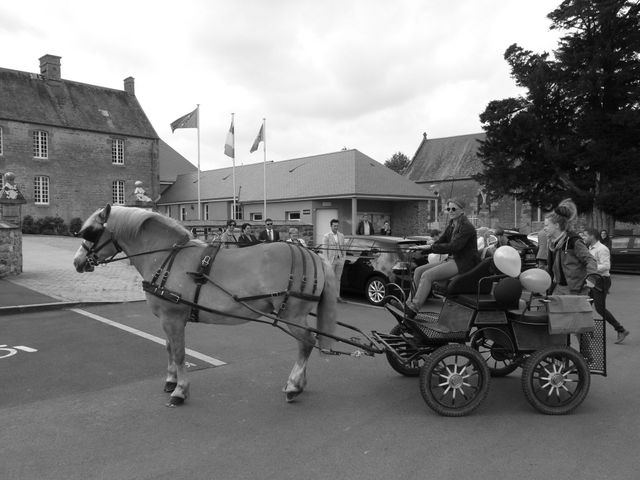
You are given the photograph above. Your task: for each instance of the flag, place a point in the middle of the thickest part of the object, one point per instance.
(259, 138)
(190, 120)
(228, 145)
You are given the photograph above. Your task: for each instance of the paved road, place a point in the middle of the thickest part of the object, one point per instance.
(88, 404)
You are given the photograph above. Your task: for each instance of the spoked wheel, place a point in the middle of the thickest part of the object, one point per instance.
(410, 368)
(497, 351)
(454, 380)
(556, 380)
(376, 290)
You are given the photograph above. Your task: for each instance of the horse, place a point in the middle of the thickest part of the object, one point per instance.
(191, 280)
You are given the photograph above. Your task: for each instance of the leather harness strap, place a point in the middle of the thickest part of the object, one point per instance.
(200, 277)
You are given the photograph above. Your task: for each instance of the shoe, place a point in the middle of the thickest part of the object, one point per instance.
(410, 311)
(621, 336)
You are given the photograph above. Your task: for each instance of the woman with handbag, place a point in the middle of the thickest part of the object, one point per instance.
(569, 261)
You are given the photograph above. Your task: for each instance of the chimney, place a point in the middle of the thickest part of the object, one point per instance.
(50, 67)
(129, 86)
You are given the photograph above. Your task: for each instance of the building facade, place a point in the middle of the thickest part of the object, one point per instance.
(347, 185)
(74, 147)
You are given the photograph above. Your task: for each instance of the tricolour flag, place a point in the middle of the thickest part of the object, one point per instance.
(228, 145)
(259, 138)
(190, 120)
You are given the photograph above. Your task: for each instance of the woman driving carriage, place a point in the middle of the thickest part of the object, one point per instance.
(569, 261)
(459, 240)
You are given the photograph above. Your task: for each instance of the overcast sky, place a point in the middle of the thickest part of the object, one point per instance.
(365, 74)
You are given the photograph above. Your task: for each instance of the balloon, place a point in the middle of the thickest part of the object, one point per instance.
(535, 280)
(507, 292)
(507, 260)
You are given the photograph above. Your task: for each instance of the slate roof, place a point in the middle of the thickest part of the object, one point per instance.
(29, 97)
(345, 173)
(171, 163)
(439, 159)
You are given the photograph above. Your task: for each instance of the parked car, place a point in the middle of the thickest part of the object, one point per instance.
(625, 254)
(374, 261)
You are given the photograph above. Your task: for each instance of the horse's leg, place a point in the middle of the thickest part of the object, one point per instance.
(298, 376)
(172, 371)
(174, 329)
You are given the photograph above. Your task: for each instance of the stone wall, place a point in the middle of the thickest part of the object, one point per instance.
(10, 250)
(410, 218)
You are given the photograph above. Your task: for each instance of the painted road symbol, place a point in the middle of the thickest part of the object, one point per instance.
(6, 351)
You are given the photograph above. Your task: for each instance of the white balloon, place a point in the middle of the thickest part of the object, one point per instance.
(507, 260)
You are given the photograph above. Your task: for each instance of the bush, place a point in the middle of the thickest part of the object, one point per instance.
(75, 225)
(44, 226)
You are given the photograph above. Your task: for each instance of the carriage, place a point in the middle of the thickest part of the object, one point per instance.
(484, 328)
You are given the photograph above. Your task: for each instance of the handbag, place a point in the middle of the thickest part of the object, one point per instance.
(569, 314)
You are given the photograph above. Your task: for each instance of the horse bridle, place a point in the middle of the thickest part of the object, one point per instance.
(94, 237)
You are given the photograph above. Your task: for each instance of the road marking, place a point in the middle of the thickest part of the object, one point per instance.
(200, 356)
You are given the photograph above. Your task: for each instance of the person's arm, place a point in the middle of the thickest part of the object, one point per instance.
(584, 257)
(457, 242)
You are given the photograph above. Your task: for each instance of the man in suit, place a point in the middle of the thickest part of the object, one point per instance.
(334, 251)
(364, 227)
(269, 234)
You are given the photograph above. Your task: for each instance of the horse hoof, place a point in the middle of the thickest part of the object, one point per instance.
(170, 386)
(291, 396)
(175, 402)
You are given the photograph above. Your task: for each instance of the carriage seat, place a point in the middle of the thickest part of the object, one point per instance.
(478, 302)
(533, 317)
(469, 282)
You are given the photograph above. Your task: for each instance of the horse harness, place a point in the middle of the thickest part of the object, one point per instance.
(156, 286)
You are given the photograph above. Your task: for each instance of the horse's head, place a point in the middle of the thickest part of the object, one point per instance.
(98, 242)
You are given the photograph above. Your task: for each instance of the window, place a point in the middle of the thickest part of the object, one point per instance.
(117, 151)
(183, 213)
(41, 190)
(256, 217)
(40, 144)
(293, 215)
(117, 190)
(1, 149)
(239, 212)
(206, 211)
(618, 243)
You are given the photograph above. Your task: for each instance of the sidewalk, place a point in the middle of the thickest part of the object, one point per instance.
(48, 276)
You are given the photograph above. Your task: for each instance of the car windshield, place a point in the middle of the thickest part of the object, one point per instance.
(520, 242)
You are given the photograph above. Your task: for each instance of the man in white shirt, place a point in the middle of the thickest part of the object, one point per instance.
(334, 251)
(603, 257)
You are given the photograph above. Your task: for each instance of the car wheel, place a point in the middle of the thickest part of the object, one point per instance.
(376, 290)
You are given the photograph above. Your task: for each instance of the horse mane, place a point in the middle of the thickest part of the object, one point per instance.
(126, 223)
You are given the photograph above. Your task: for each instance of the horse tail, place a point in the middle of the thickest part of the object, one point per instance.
(327, 306)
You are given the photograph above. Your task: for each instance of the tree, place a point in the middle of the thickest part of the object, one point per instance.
(576, 130)
(398, 162)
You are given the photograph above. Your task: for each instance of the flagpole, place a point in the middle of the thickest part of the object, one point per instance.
(198, 122)
(233, 214)
(264, 166)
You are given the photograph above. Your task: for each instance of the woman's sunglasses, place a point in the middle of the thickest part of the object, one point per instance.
(451, 209)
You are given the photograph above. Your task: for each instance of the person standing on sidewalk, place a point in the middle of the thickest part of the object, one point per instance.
(603, 257)
(334, 251)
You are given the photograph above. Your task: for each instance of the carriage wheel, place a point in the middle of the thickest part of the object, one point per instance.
(499, 354)
(454, 380)
(555, 380)
(410, 368)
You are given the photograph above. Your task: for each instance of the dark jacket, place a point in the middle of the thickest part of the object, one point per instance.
(570, 263)
(264, 236)
(461, 243)
(360, 229)
(246, 240)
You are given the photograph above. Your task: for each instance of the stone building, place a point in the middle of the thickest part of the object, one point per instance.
(73, 146)
(445, 168)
